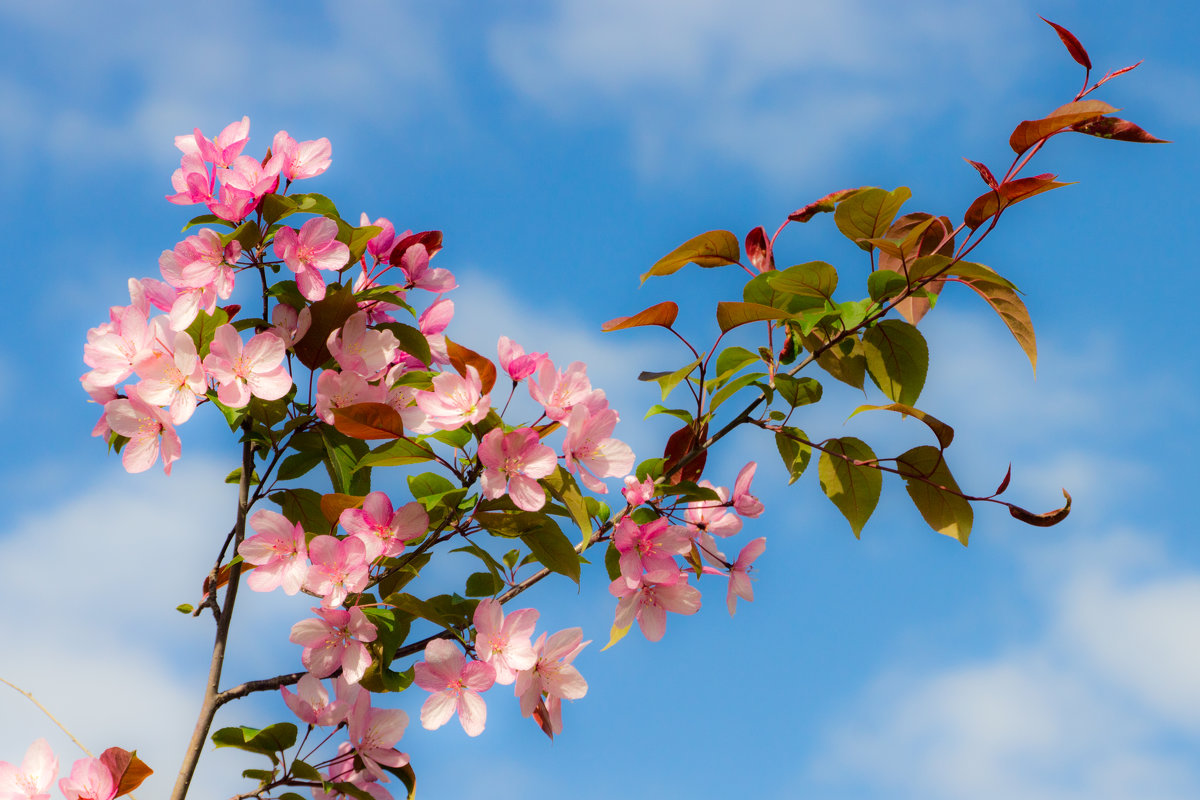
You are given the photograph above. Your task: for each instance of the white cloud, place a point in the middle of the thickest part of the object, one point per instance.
(750, 82)
(1102, 702)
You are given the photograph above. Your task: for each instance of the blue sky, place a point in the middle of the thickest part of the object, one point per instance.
(562, 148)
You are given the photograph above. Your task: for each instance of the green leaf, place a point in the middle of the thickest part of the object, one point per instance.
(206, 219)
(268, 741)
(853, 488)
(342, 455)
(732, 388)
(712, 249)
(483, 584)
(313, 203)
(398, 453)
(328, 315)
(612, 562)
(795, 454)
(564, 489)
(935, 493)
(845, 361)
(667, 381)
(412, 341)
(298, 464)
(732, 315)
(760, 290)
(883, 284)
(678, 413)
(897, 359)
(304, 771)
(416, 607)
(798, 391)
(276, 206)
(551, 547)
(302, 507)
(943, 432)
(185, 608)
(868, 214)
(731, 360)
(814, 279)
(204, 327)
(459, 437)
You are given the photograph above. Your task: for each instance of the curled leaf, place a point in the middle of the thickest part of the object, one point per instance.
(758, 250)
(1115, 128)
(1046, 519)
(712, 249)
(824, 205)
(1010, 193)
(663, 314)
(984, 173)
(463, 357)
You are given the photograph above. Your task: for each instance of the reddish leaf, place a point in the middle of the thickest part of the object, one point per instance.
(1109, 76)
(332, 505)
(431, 239)
(1004, 483)
(936, 238)
(128, 771)
(984, 173)
(541, 715)
(1032, 131)
(1073, 46)
(328, 315)
(663, 314)
(680, 443)
(1114, 128)
(222, 579)
(758, 248)
(369, 421)
(462, 357)
(988, 205)
(1042, 520)
(231, 310)
(824, 205)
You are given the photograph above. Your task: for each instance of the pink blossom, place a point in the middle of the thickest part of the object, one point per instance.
(233, 204)
(380, 246)
(590, 449)
(313, 248)
(339, 567)
(113, 348)
(334, 640)
(553, 675)
(251, 176)
(382, 532)
(432, 322)
(455, 400)
(192, 182)
(301, 159)
(744, 503)
(90, 780)
(374, 733)
(504, 642)
(559, 392)
(713, 517)
(513, 462)
(223, 149)
(256, 370)
(33, 778)
(649, 603)
(278, 550)
(515, 361)
(637, 493)
(289, 324)
(310, 703)
(201, 260)
(649, 550)
(148, 429)
(361, 350)
(340, 389)
(173, 377)
(415, 264)
(378, 311)
(739, 578)
(455, 685)
(342, 770)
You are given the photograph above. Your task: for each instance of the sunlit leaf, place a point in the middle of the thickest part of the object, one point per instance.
(463, 357)
(662, 314)
(368, 421)
(853, 487)
(935, 493)
(869, 213)
(712, 249)
(1042, 520)
(845, 360)
(943, 432)
(1118, 129)
(1031, 131)
(731, 315)
(824, 205)
(798, 391)
(897, 359)
(1010, 193)
(1073, 46)
(794, 450)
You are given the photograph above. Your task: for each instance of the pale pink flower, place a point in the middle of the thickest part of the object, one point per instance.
(233, 204)
(90, 780)
(515, 361)
(113, 348)
(404, 400)
(649, 603)
(340, 389)
(251, 176)
(455, 400)
(415, 264)
(374, 733)
(648, 551)
(148, 429)
(339, 567)
(310, 703)
(301, 159)
(279, 552)
(590, 448)
(342, 770)
(289, 324)
(362, 350)
(313, 248)
(220, 151)
(382, 531)
(707, 516)
(559, 392)
(553, 675)
(201, 260)
(504, 641)
(380, 246)
(514, 462)
(33, 778)
(636, 493)
(257, 369)
(378, 311)
(744, 503)
(334, 640)
(739, 578)
(173, 377)
(432, 322)
(455, 685)
(192, 182)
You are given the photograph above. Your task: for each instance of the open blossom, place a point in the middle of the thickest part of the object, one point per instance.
(559, 392)
(301, 159)
(374, 733)
(114, 347)
(90, 779)
(636, 493)
(340, 389)
(708, 516)
(513, 462)
(590, 448)
(334, 640)
(455, 685)
(342, 770)
(504, 641)
(289, 324)
(311, 249)
(380, 246)
(648, 551)
(649, 603)
(382, 531)
(744, 503)
(201, 260)
(362, 350)
(256, 369)
(148, 428)
(279, 552)
(222, 149)
(310, 702)
(739, 578)
(173, 377)
(553, 675)
(515, 361)
(31, 780)
(415, 264)
(455, 400)
(339, 567)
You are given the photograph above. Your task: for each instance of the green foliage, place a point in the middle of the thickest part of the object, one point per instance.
(849, 478)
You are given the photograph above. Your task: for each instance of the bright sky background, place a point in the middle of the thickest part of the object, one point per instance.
(562, 148)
